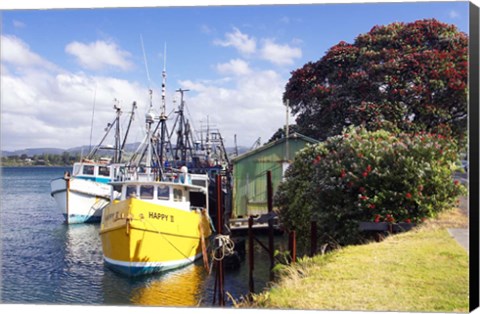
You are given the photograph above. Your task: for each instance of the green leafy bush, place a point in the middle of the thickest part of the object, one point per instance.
(368, 176)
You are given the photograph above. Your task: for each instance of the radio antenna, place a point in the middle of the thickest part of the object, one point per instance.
(145, 60)
(164, 78)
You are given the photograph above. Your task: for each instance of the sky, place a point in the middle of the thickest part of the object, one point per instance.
(63, 69)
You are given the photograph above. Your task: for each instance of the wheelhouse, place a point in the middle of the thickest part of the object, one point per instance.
(98, 172)
(190, 195)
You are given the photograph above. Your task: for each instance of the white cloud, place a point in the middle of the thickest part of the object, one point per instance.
(454, 14)
(279, 54)
(206, 29)
(235, 67)
(17, 53)
(45, 106)
(242, 42)
(99, 55)
(18, 24)
(251, 108)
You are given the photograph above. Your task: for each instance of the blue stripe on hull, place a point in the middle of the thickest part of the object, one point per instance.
(78, 219)
(135, 271)
(94, 179)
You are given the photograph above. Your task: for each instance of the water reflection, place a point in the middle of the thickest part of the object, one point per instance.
(82, 265)
(176, 288)
(48, 262)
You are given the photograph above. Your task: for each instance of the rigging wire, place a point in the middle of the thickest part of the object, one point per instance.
(93, 115)
(146, 65)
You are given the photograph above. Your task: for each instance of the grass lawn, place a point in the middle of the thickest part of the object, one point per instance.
(423, 270)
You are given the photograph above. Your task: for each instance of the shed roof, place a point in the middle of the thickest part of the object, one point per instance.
(293, 136)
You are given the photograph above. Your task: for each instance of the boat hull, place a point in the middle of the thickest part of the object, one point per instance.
(80, 200)
(140, 238)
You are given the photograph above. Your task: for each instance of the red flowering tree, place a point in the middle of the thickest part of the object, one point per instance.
(368, 176)
(410, 77)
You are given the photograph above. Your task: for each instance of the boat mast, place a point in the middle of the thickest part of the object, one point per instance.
(134, 106)
(149, 119)
(163, 116)
(183, 141)
(117, 154)
(109, 127)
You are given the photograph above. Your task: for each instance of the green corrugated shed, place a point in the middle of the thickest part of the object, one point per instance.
(250, 173)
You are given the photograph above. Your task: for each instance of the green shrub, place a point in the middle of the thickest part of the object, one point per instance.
(368, 176)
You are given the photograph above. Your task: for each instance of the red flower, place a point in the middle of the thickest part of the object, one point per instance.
(363, 197)
(365, 174)
(369, 168)
(377, 218)
(456, 182)
(343, 173)
(408, 220)
(361, 189)
(408, 195)
(371, 206)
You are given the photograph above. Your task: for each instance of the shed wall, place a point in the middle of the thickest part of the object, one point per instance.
(250, 176)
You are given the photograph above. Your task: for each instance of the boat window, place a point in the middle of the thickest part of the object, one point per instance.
(146, 192)
(104, 171)
(117, 188)
(131, 191)
(177, 195)
(163, 192)
(76, 169)
(88, 170)
(201, 183)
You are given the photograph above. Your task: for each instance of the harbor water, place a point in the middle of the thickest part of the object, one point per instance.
(45, 261)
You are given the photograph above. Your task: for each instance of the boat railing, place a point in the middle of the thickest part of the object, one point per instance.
(137, 173)
(144, 173)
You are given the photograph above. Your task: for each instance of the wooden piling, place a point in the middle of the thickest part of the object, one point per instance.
(250, 255)
(292, 245)
(271, 248)
(220, 268)
(313, 238)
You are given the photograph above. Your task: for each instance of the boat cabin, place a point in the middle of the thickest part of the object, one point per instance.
(98, 172)
(193, 194)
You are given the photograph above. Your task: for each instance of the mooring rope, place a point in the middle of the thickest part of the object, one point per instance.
(204, 247)
(164, 237)
(225, 247)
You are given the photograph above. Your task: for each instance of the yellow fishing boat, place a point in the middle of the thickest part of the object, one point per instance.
(156, 225)
(160, 221)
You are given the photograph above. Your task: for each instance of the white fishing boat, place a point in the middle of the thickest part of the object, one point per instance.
(82, 194)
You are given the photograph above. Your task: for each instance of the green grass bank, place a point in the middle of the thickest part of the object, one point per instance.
(423, 270)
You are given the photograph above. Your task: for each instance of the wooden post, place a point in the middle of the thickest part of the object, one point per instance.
(313, 238)
(292, 244)
(221, 298)
(250, 255)
(270, 223)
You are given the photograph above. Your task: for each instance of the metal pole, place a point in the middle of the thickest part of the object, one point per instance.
(270, 222)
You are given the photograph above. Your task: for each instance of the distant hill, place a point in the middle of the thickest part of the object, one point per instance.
(30, 152)
(33, 151)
